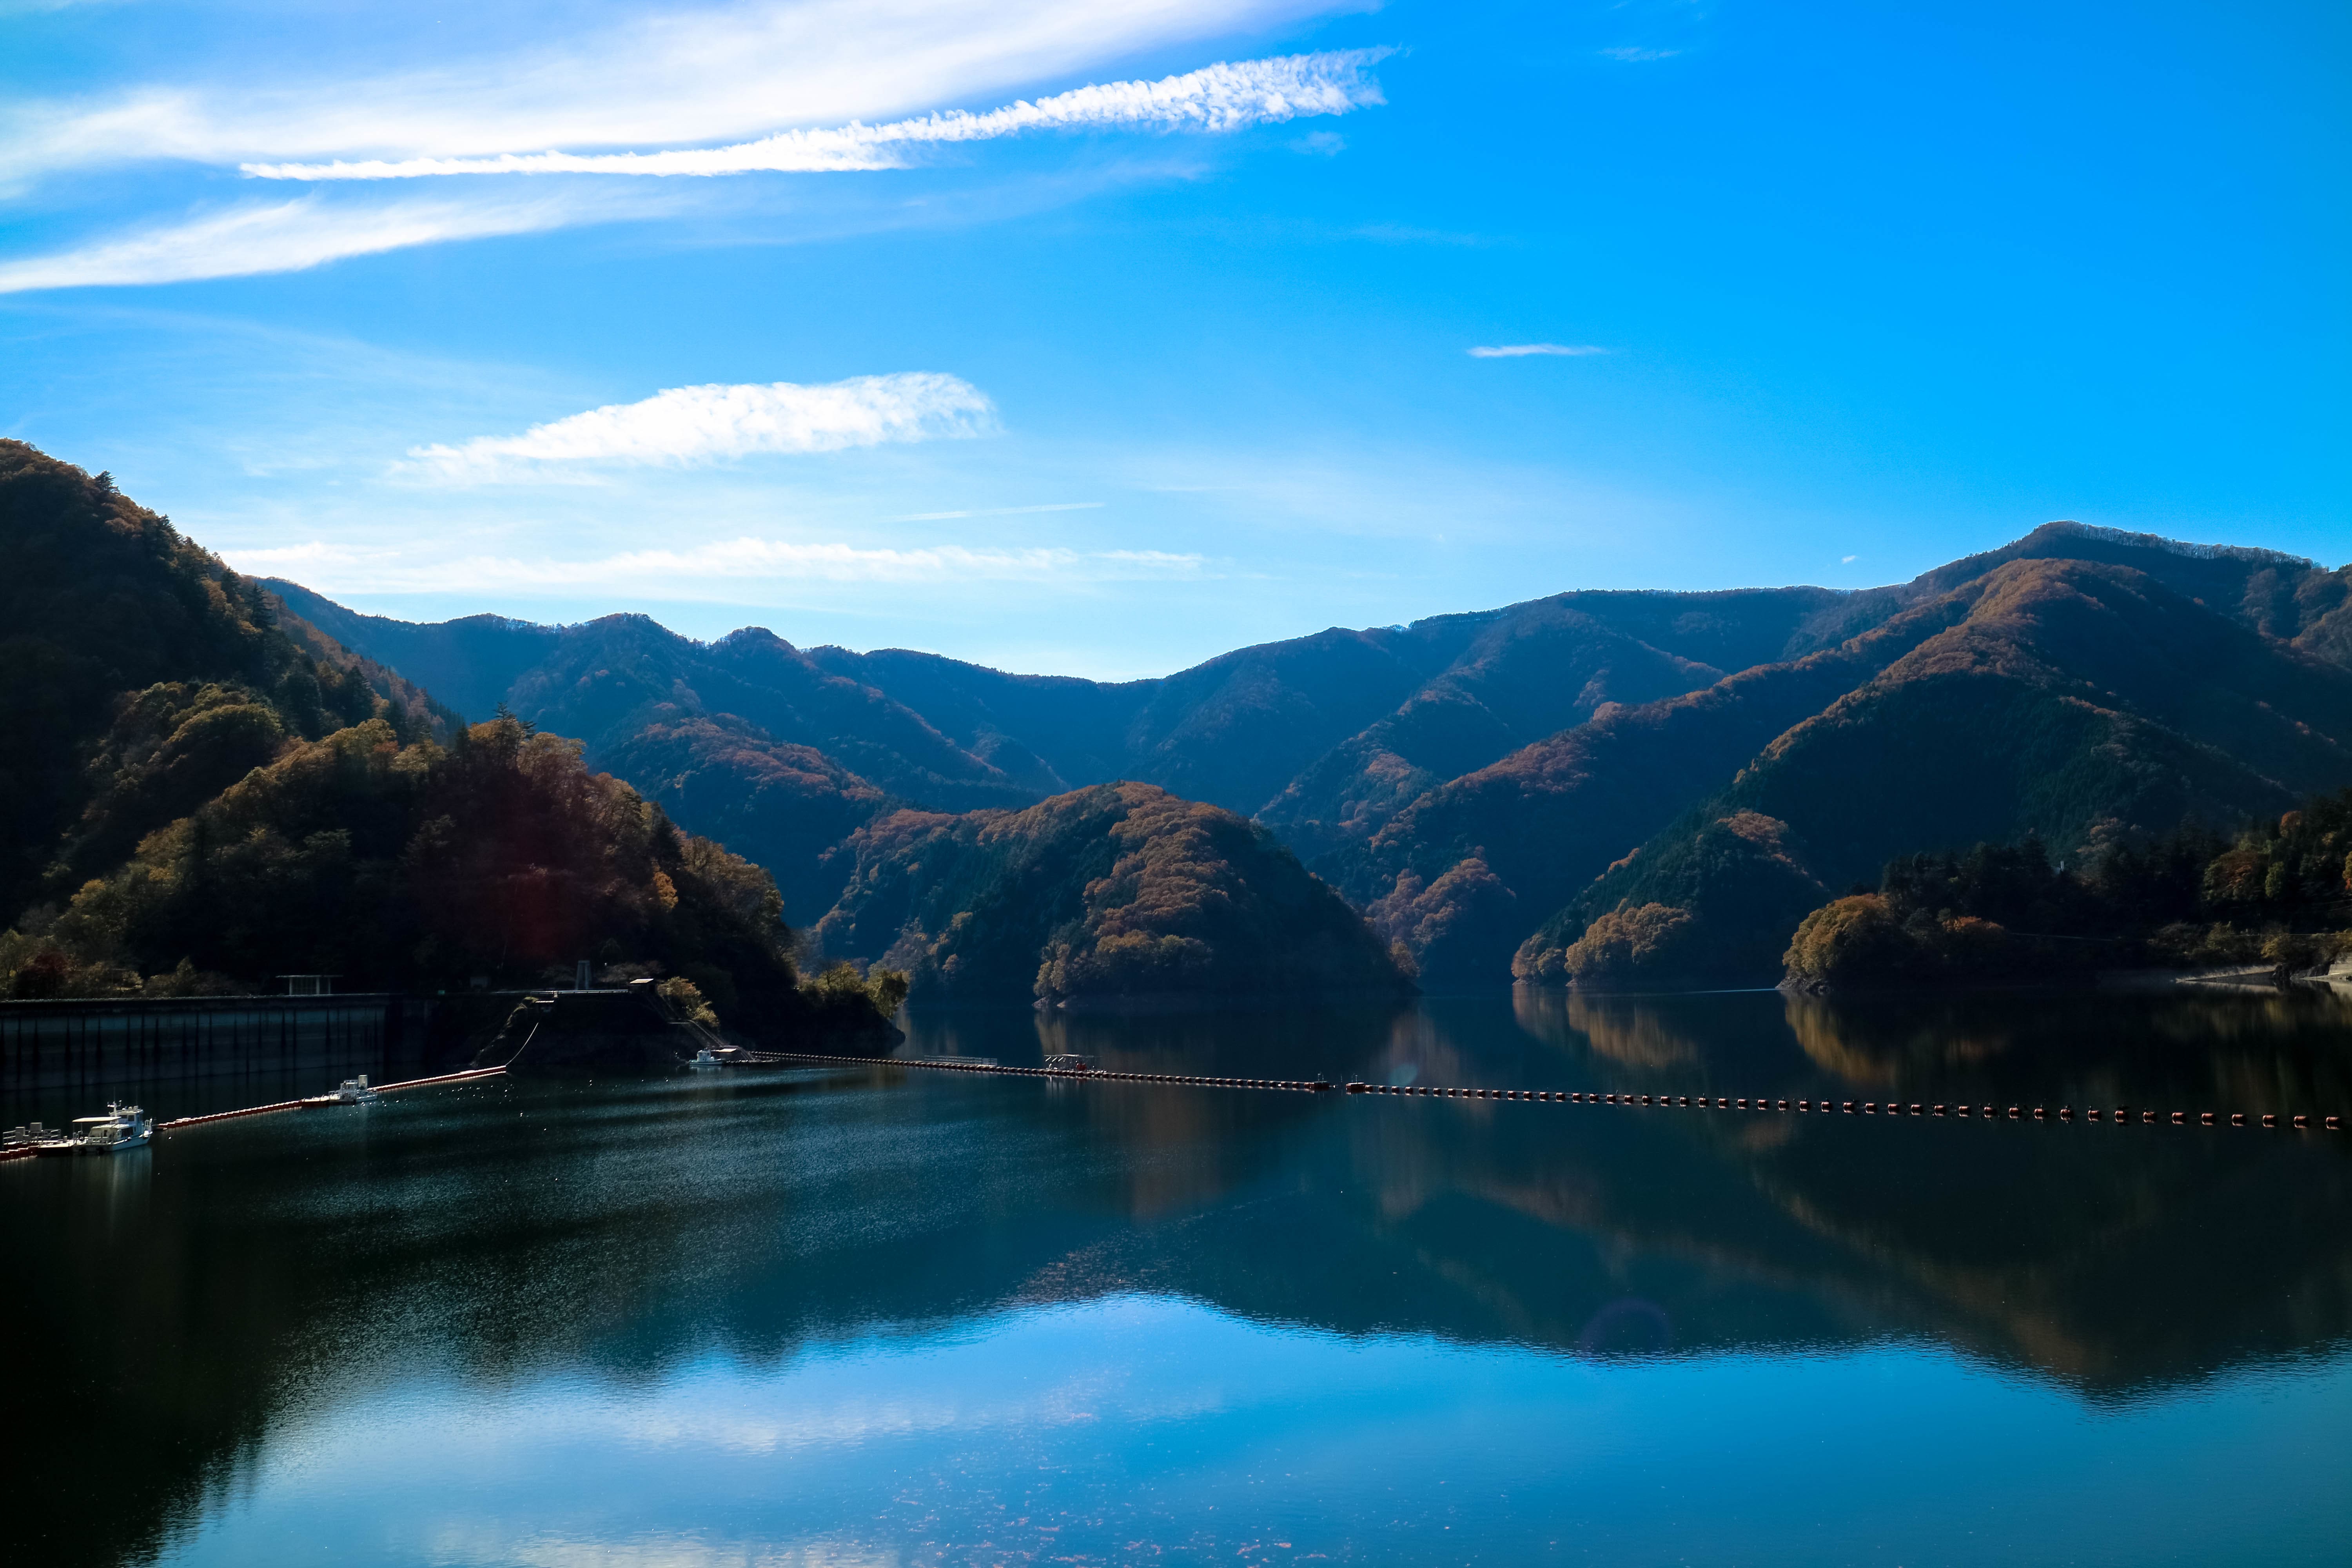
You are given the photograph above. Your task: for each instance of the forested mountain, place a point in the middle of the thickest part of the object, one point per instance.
(1241, 730)
(202, 790)
(1120, 891)
(1323, 738)
(2086, 705)
(139, 677)
(1489, 788)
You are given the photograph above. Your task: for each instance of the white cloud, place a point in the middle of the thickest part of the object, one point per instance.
(287, 236)
(1218, 98)
(1520, 351)
(721, 567)
(1633, 55)
(688, 424)
(663, 79)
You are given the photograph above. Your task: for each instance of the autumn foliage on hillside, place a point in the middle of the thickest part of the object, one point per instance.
(200, 802)
(786, 806)
(1118, 891)
(2085, 704)
(139, 676)
(421, 867)
(2277, 896)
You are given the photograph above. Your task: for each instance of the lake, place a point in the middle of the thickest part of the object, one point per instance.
(887, 1316)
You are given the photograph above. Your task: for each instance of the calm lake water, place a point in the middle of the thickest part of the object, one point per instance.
(891, 1317)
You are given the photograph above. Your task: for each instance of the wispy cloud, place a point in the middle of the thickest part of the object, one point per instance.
(1632, 54)
(1521, 351)
(665, 77)
(692, 425)
(719, 567)
(287, 236)
(1000, 511)
(1228, 95)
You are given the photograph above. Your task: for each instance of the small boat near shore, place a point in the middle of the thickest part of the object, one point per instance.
(352, 1091)
(123, 1127)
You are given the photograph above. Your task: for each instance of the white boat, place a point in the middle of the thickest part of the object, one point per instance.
(706, 1061)
(353, 1091)
(123, 1127)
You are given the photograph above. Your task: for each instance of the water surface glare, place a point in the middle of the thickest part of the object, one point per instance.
(883, 1316)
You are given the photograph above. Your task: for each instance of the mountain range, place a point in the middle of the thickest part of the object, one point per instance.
(1484, 787)
(204, 789)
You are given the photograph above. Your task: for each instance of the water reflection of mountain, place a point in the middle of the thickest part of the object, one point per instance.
(498, 1235)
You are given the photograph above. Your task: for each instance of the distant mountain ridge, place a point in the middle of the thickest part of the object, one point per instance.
(1468, 781)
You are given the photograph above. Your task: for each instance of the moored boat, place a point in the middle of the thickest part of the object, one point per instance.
(353, 1091)
(123, 1127)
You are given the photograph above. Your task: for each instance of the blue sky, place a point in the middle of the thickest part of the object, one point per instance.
(1115, 383)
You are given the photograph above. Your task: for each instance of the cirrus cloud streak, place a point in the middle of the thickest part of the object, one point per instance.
(1224, 97)
(1522, 351)
(292, 235)
(663, 78)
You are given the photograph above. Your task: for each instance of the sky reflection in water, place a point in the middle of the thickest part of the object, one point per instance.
(913, 1318)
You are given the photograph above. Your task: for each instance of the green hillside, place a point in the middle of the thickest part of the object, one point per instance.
(139, 677)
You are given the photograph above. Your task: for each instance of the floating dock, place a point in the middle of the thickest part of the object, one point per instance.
(312, 1102)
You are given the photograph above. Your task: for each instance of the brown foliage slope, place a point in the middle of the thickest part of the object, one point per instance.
(1458, 777)
(1360, 709)
(1335, 729)
(1119, 891)
(419, 867)
(788, 807)
(1526, 833)
(1521, 679)
(2085, 704)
